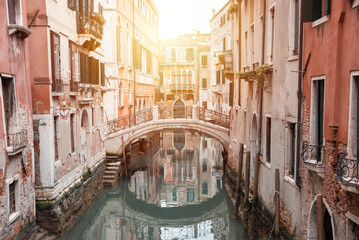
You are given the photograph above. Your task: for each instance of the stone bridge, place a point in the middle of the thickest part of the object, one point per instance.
(121, 132)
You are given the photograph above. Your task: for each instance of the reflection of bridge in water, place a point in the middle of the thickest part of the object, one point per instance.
(118, 214)
(121, 132)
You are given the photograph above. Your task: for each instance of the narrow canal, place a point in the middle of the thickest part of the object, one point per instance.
(175, 191)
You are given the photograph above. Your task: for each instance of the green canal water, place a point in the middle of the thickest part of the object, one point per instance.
(174, 192)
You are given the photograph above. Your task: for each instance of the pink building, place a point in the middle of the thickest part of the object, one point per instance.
(17, 195)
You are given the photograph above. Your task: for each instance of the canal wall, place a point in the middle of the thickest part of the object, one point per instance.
(58, 215)
(258, 220)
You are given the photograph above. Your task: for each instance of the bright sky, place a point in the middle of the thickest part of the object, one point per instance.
(186, 16)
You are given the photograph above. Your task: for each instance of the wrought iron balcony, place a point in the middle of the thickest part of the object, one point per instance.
(347, 169)
(225, 58)
(182, 87)
(91, 31)
(16, 141)
(312, 153)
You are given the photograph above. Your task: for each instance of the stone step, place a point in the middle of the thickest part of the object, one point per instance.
(110, 167)
(113, 164)
(108, 183)
(111, 170)
(109, 177)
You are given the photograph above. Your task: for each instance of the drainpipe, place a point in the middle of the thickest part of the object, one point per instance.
(261, 93)
(299, 93)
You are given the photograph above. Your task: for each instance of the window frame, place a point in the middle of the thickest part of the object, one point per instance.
(314, 124)
(18, 13)
(352, 147)
(355, 3)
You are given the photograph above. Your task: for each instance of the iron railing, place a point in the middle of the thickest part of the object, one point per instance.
(17, 140)
(312, 153)
(347, 169)
(128, 121)
(166, 112)
(213, 117)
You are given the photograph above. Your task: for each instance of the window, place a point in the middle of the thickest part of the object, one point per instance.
(174, 194)
(9, 101)
(223, 77)
(261, 31)
(55, 62)
(239, 92)
(205, 188)
(204, 104)
(118, 40)
(170, 97)
(246, 48)
(161, 78)
(317, 9)
(189, 77)
(268, 137)
(173, 54)
(204, 143)
(317, 113)
(204, 167)
(204, 83)
(56, 137)
(353, 148)
(271, 33)
(189, 54)
(290, 149)
(294, 27)
(73, 65)
(144, 60)
(102, 67)
(224, 43)
(12, 197)
(72, 128)
(204, 60)
(218, 77)
(231, 92)
(190, 195)
(14, 12)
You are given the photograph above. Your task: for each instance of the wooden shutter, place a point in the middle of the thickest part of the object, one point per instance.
(307, 9)
(231, 92)
(327, 7)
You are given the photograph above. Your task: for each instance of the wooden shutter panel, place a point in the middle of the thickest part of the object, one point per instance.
(307, 9)
(231, 92)
(327, 7)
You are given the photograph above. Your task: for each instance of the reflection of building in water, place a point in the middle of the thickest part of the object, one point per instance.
(187, 169)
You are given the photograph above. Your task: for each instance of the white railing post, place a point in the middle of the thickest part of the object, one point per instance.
(155, 113)
(195, 112)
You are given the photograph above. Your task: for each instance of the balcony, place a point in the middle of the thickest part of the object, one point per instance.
(182, 87)
(144, 78)
(348, 172)
(16, 141)
(57, 85)
(312, 154)
(90, 34)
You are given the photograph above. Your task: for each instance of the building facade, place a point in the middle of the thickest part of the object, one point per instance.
(184, 69)
(131, 50)
(67, 79)
(222, 60)
(17, 192)
(264, 116)
(330, 120)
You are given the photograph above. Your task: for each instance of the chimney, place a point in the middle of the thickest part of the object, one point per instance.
(214, 12)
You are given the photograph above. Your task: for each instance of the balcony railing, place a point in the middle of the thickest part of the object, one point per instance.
(93, 27)
(312, 153)
(213, 117)
(347, 169)
(16, 141)
(182, 87)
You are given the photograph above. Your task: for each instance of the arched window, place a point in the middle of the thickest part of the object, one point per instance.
(178, 77)
(184, 77)
(120, 95)
(173, 77)
(129, 94)
(189, 80)
(118, 40)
